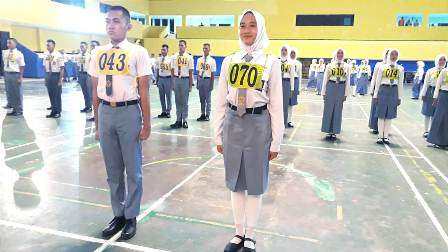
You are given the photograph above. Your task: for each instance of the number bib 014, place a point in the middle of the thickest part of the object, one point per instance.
(113, 62)
(390, 73)
(337, 72)
(245, 75)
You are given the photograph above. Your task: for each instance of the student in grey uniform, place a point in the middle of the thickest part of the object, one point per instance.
(14, 64)
(182, 66)
(93, 45)
(388, 94)
(249, 125)
(438, 133)
(353, 75)
(206, 67)
(164, 82)
(335, 89)
(373, 119)
(362, 83)
(312, 75)
(120, 74)
(287, 78)
(295, 89)
(417, 82)
(54, 67)
(83, 60)
(427, 92)
(320, 70)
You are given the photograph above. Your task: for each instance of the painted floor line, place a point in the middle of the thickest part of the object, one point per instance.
(169, 160)
(69, 184)
(158, 202)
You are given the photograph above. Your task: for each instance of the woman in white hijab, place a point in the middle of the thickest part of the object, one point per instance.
(388, 94)
(288, 74)
(295, 89)
(249, 125)
(427, 92)
(335, 89)
(417, 84)
(312, 75)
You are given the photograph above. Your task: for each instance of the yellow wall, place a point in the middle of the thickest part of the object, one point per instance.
(206, 32)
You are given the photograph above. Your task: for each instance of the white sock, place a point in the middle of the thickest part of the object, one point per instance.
(354, 90)
(238, 200)
(289, 114)
(253, 208)
(381, 123)
(428, 121)
(387, 127)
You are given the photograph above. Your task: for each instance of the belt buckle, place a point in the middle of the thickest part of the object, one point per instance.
(113, 104)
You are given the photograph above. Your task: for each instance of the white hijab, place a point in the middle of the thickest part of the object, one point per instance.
(420, 64)
(335, 56)
(293, 49)
(288, 50)
(261, 41)
(436, 61)
(389, 62)
(314, 61)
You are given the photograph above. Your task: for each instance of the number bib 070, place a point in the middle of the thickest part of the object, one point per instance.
(391, 73)
(337, 72)
(113, 62)
(245, 75)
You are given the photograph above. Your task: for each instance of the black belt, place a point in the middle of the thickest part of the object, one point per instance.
(205, 78)
(296, 77)
(183, 77)
(257, 110)
(165, 77)
(120, 104)
(286, 79)
(388, 85)
(53, 73)
(335, 82)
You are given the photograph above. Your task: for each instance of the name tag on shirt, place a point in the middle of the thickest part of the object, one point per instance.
(182, 61)
(337, 72)
(391, 74)
(113, 62)
(286, 68)
(245, 75)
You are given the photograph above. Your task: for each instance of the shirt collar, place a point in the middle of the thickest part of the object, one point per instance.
(122, 44)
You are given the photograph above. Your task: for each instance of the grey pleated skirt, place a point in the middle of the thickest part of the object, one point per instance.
(246, 143)
(427, 108)
(387, 102)
(286, 84)
(333, 105)
(295, 93)
(362, 85)
(438, 134)
(373, 119)
(311, 80)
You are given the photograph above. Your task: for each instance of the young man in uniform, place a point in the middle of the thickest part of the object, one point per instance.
(206, 67)
(54, 68)
(83, 60)
(14, 64)
(182, 66)
(120, 73)
(164, 82)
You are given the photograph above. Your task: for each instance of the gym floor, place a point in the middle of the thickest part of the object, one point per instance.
(347, 195)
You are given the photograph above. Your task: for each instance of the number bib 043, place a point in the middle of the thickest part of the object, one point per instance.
(113, 62)
(337, 72)
(245, 75)
(392, 74)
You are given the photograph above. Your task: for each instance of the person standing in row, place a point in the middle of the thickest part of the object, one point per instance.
(427, 92)
(417, 82)
(364, 73)
(182, 66)
(388, 94)
(353, 75)
(373, 118)
(438, 133)
(288, 74)
(83, 60)
(295, 89)
(120, 74)
(93, 45)
(14, 65)
(206, 67)
(249, 125)
(164, 81)
(335, 89)
(54, 68)
(312, 75)
(320, 70)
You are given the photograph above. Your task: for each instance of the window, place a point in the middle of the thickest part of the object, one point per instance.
(438, 20)
(139, 17)
(414, 20)
(171, 21)
(325, 20)
(104, 8)
(77, 3)
(211, 20)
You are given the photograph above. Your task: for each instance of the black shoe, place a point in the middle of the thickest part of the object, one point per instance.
(129, 230)
(176, 125)
(290, 125)
(425, 135)
(207, 118)
(114, 226)
(375, 132)
(202, 118)
(245, 249)
(163, 115)
(13, 113)
(379, 140)
(50, 115)
(386, 140)
(7, 107)
(92, 119)
(168, 115)
(233, 247)
(57, 115)
(185, 125)
(49, 108)
(328, 136)
(86, 110)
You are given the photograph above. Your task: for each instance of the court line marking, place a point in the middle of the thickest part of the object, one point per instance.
(416, 192)
(169, 160)
(339, 213)
(69, 184)
(158, 202)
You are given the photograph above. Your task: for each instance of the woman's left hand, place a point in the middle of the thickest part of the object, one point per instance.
(272, 155)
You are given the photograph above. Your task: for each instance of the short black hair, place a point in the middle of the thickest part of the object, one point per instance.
(13, 39)
(51, 41)
(206, 44)
(165, 45)
(183, 41)
(84, 43)
(123, 10)
(95, 42)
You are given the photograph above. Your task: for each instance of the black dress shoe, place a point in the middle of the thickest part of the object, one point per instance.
(13, 113)
(185, 125)
(83, 110)
(201, 118)
(386, 140)
(49, 108)
(50, 115)
(129, 230)
(7, 107)
(57, 115)
(163, 115)
(425, 135)
(176, 125)
(375, 132)
(233, 247)
(290, 125)
(168, 115)
(92, 119)
(114, 226)
(207, 118)
(245, 249)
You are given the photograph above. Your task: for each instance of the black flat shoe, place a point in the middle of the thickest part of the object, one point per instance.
(233, 247)
(49, 108)
(379, 140)
(201, 118)
(185, 125)
(129, 230)
(425, 135)
(375, 132)
(245, 249)
(7, 107)
(386, 140)
(176, 125)
(207, 118)
(168, 115)
(57, 115)
(13, 113)
(91, 119)
(163, 115)
(290, 125)
(50, 115)
(114, 226)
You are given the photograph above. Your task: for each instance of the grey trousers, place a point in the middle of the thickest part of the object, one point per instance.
(86, 87)
(14, 91)
(181, 93)
(165, 91)
(122, 151)
(54, 92)
(205, 95)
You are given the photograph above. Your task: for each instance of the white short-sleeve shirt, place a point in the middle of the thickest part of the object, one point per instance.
(13, 60)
